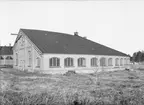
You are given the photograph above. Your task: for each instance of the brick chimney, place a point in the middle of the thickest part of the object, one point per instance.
(76, 33)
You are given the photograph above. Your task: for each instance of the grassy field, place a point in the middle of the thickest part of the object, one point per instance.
(104, 88)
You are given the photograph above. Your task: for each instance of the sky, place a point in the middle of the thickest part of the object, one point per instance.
(117, 24)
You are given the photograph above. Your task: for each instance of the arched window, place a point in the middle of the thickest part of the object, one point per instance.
(128, 60)
(38, 62)
(54, 62)
(68, 62)
(94, 62)
(121, 61)
(1, 58)
(8, 58)
(125, 61)
(103, 61)
(81, 62)
(110, 62)
(16, 59)
(116, 62)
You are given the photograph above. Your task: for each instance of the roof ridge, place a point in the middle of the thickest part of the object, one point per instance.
(46, 31)
(48, 43)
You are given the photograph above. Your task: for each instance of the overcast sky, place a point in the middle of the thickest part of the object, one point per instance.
(116, 24)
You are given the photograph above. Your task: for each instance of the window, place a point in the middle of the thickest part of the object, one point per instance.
(9, 58)
(103, 61)
(38, 62)
(1, 58)
(81, 62)
(22, 41)
(16, 59)
(125, 61)
(94, 62)
(29, 58)
(54, 62)
(68, 62)
(121, 62)
(110, 62)
(116, 62)
(128, 61)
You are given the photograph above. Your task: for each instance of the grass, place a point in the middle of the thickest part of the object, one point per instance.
(104, 88)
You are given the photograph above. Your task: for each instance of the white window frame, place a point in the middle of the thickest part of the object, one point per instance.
(117, 62)
(94, 62)
(38, 62)
(68, 62)
(110, 62)
(29, 58)
(103, 62)
(121, 62)
(54, 62)
(81, 62)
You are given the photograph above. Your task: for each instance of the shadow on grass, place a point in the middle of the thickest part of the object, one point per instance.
(23, 73)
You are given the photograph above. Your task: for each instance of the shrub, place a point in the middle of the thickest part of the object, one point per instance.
(70, 72)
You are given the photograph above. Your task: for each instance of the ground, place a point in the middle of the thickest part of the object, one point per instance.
(105, 88)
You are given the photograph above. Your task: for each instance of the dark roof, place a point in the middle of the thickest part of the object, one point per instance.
(61, 43)
(6, 50)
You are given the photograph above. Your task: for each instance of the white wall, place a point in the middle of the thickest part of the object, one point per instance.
(22, 47)
(88, 67)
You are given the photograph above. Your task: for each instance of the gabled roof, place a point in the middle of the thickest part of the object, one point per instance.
(61, 43)
(6, 50)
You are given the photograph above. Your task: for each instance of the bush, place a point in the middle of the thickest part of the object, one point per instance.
(70, 72)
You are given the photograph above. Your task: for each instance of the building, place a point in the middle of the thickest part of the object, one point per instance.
(6, 56)
(53, 52)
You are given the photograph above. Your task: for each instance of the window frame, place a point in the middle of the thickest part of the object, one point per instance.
(38, 62)
(94, 62)
(121, 62)
(54, 62)
(29, 58)
(68, 62)
(81, 62)
(103, 64)
(117, 62)
(110, 62)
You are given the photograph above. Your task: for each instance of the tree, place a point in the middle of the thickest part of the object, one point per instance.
(138, 56)
(134, 57)
(142, 57)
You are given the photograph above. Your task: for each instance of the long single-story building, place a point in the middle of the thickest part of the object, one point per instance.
(6, 56)
(54, 52)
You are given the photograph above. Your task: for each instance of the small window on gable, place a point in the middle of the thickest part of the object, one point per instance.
(22, 41)
(29, 58)
(38, 62)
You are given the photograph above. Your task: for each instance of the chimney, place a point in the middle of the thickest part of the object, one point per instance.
(85, 37)
(76, 33)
